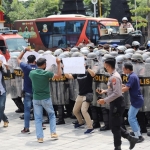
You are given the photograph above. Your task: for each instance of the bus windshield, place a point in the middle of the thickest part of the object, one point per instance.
(60, 34)
(115, 29)
(15, 44)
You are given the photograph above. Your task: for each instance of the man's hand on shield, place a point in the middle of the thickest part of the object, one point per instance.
(58, 61)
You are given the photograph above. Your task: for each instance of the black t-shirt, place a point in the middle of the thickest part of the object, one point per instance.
(85, 83)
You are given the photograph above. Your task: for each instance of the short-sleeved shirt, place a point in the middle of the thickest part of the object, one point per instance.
(26, 68)
(136, 97)
(40, 83)
(114, 87)
(85, 83)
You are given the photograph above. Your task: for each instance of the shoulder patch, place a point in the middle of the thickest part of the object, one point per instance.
(113, 81)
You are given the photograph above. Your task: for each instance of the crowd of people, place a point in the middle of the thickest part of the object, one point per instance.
(99, 95)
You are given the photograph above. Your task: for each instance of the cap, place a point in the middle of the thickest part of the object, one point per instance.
(41, 61)
(114, 45)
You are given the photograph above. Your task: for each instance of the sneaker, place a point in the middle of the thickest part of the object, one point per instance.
(6, 124)
(88, 131)
(77, 125)
(43, 126)
(54, 136)
(40, 140)
(25, 131)
(141, 139)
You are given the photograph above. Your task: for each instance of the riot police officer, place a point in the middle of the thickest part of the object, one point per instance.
(117, 104)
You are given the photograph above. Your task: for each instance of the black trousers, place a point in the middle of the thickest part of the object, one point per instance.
(117, 108)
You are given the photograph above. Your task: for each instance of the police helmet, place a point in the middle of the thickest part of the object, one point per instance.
(130, 50)
(147, 60)
(47, 52)
(95, 50)
(114, 53)
(41, 51)
(135, 43)
(74, 49)
(106, 56)
(84, 48)
(137, 57)
(121, 48)
(145, 56)
(63, 55)
(101, 52)
(85, 52)
(124, 19)
(77, 54)
(120, 58)
(91, 55)
(128, 55)
(140, 52)
(148, 53)
(58, 52)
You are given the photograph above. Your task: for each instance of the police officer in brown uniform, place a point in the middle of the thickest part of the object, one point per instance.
(117, 104)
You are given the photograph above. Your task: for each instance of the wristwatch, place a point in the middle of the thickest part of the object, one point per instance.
(24, 50)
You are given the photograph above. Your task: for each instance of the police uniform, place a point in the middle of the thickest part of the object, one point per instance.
(117, 107)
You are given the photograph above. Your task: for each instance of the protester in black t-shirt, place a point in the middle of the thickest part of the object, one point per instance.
(85, 87)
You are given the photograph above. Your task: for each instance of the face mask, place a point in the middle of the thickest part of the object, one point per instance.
(127, 75)
(105, 69)
(120, 52)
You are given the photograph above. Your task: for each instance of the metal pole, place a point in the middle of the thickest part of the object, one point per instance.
(94, 10)
(100, 8)
(135, 14)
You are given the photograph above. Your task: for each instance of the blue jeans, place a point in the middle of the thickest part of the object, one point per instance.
(38, 106)
(2, 108)
(27, 108)
(132, 118)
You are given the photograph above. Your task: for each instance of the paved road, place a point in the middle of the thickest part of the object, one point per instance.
(69, 138)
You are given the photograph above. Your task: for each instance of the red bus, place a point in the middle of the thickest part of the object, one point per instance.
(61, 31)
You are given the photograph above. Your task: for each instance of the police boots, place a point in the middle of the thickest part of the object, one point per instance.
(94, 114)
(60, 115)
(118, 148)
(132, 140)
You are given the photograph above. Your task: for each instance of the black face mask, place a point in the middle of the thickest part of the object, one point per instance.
(120, 52)
(105, 69)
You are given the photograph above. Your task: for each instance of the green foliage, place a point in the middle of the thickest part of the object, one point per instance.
(140, 13)
(30, 10)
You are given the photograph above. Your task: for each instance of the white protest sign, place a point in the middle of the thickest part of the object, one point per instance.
(2, 58)
(50, 60)
(25, 56)
(74, 65)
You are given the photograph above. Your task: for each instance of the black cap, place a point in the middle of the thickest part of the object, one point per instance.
(41, 61)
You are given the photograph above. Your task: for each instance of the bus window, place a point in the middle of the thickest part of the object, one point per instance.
(92, 32)
(60, 34)
(74, 29)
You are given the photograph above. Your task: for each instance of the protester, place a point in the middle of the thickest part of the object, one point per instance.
(3, 93)
(136, 98)
(85, 87)
(41, 97)
(27, 87)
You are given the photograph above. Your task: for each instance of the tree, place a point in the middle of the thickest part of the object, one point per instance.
(31, 9)
(142, 14)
